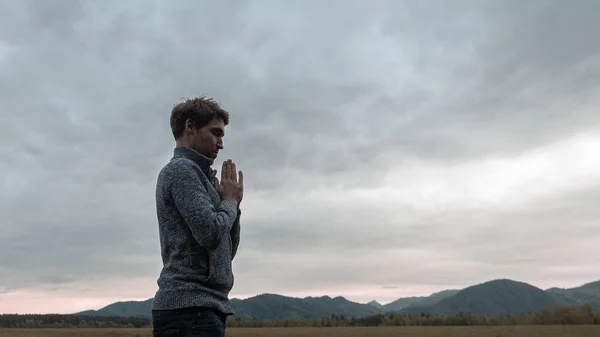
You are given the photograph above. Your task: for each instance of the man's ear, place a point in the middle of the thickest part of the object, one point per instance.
(189, 124)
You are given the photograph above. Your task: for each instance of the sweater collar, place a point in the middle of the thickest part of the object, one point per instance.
(200, 159)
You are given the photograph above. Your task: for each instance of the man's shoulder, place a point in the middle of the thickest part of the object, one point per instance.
(179, 167)
(180, 163)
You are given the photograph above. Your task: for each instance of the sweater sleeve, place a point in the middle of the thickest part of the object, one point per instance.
(235, 235)
(208, 224)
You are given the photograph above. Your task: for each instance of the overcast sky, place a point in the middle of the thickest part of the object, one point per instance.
(389, 148)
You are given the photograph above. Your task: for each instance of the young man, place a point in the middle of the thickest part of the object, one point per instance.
(199, 225)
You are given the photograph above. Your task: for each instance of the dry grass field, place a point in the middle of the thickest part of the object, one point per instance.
(507, 331)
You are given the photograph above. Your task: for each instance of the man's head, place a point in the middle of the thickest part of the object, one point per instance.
(199, 123)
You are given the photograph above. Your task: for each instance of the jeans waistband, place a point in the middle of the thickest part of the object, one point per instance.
(188, 311)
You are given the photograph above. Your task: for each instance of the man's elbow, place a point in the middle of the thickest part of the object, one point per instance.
(210, 234)
(209, 242)
(210, 239)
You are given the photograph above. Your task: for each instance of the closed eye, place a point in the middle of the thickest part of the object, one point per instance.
(218, 132)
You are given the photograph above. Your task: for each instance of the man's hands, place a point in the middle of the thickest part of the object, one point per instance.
(231, 186)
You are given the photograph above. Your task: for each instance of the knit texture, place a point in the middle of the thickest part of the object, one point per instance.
(199, 236)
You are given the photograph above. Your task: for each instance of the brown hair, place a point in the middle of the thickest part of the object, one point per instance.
(200, 110)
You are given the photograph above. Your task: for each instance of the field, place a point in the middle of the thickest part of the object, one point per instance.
(497, 331)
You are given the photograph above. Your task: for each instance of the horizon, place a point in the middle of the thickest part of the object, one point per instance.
(243, 297)
(389, 149)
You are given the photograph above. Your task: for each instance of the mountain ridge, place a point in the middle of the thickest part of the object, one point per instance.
(495, 297)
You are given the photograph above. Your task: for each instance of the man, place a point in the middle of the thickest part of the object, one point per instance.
(199, 225)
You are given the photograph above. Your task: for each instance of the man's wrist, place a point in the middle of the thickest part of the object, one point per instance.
(233, 201)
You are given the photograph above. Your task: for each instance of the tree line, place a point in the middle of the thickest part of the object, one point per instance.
(585, 314)
(71, 321)
(565, 315)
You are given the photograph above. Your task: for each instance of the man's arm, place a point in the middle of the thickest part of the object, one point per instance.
(235, 235)
(208, 225)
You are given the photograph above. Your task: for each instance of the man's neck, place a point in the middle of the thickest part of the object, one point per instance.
(195, 155)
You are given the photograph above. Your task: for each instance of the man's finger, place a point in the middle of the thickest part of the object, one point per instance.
(229, 174)
(241, 178)
(224, 171)
(233, 172)
(216, 182)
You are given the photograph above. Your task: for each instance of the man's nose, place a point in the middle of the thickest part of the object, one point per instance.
(220, 144)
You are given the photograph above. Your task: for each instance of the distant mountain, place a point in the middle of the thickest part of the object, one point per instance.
(436, 297)
(588, 293)
(123, 309)
(265, 306)
(376, 304)
(421, 301)
(271, 306)
(402, 303)
(493, 297)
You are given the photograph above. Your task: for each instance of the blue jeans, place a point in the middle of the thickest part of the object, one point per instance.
(188, 322)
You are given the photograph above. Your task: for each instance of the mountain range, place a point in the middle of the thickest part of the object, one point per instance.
(502, 297)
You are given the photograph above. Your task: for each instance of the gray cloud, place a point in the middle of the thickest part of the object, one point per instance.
(336, 98)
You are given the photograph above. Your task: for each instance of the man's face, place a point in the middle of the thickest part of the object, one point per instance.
(208, 139)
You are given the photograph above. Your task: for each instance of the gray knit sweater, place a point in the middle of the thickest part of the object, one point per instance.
(199, 235)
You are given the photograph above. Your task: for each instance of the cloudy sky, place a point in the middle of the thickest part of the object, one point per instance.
(390, 148)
